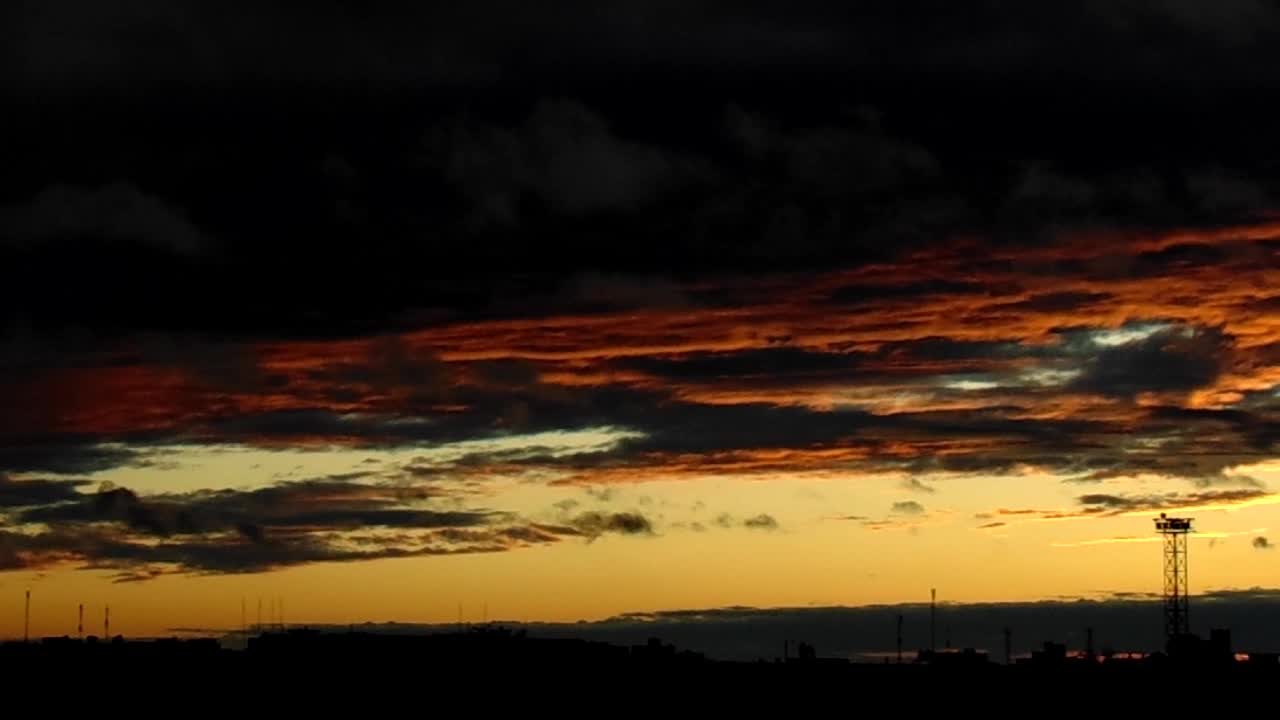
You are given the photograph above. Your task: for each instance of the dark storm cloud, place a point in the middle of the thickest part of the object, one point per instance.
(330, 519)
(1176, 359)
(132, 560)
(837, 161)
(71, 42)
(1083, 448)
(868, 293)
(1056, 302)
(1222, 193)
(595, 141)
(428, 168)
(23, 493)
(564, 156)
(318, 423)
(783, 362)
(1107, 504)
(482, 406)
(795, 366)
(67, 457)
(322, 503)
(116, 212)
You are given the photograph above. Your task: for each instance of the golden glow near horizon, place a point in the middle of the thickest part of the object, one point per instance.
(699, 555)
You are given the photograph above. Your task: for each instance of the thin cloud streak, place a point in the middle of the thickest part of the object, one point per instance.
(1153, 538)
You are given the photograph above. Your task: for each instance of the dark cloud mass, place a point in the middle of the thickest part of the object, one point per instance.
(21, 493)
(939, 241)
(331, 519)
(564, 156)
(116, 212)
(1179, 359)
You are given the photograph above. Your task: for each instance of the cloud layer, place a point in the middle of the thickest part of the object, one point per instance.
(823, 241)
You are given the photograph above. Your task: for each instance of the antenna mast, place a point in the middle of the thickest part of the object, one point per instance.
(933, 619)
(1176, 606)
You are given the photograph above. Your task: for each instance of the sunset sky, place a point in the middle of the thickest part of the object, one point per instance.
(665, 306)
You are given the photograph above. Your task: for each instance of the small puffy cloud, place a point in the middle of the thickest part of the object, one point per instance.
(914, 485)
(763, 521)
(907, 507)
(594, 524)
(1262, 543)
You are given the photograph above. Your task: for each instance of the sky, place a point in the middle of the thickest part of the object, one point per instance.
(631, 308)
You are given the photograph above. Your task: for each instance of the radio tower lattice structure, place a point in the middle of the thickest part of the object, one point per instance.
(1175, 531)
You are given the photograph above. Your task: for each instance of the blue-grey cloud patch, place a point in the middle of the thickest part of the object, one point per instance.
(1178, 359)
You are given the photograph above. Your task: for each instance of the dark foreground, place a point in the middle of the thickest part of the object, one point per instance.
(307, 669)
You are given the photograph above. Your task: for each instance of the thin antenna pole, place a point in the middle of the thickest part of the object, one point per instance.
(26, 620)
(933, 619)
(106, 622)
(899, 639)
(80, 623)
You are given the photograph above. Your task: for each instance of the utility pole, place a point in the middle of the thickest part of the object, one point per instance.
(899, 639)
(933, 619)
